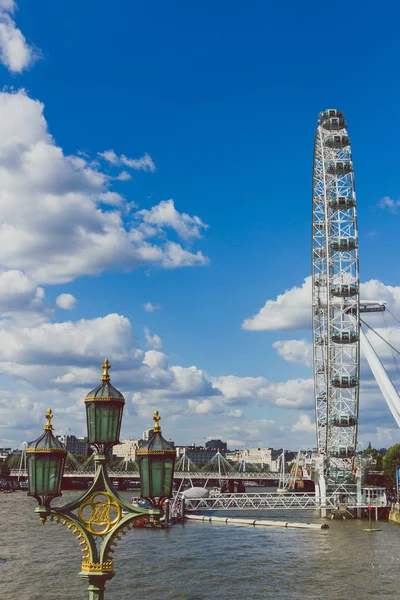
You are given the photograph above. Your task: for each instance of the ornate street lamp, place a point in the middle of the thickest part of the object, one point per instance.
(156, 466)
(104, 408)
(46, 461)
(99, 516)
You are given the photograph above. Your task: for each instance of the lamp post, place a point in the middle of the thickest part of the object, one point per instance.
(99, 517)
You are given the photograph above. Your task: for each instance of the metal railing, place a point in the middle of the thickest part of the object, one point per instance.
(195, 475)
(258, 502)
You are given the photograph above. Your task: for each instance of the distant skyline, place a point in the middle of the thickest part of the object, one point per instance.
(155, 201)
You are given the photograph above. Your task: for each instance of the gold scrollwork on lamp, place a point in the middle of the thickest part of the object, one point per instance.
(96, 513)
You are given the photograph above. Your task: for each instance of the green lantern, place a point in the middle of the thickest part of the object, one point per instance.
(46, 460)
(156, 465)
(104, 408)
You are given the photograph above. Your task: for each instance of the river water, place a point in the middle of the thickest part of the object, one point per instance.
(203, 561)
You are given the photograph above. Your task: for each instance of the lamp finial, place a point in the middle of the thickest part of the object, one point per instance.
(156, 418)
(49, 416)
(106, 367)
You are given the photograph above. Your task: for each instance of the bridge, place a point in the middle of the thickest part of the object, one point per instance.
(178, 475)
(257, 502)
(288, 501)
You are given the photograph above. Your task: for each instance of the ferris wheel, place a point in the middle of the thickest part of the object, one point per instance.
(335, 297)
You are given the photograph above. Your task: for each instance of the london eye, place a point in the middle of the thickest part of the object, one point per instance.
(335, 298)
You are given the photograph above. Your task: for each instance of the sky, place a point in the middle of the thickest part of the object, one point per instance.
(155, 202)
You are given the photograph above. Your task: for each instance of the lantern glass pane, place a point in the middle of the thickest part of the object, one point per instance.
(45, 473)
(113, 422)
(144, 477)
(101, 421)
(104, 422)
(32, 475)
(156, 477)
(168, 468)
(90, 417)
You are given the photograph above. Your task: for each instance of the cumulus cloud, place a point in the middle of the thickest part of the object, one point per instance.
(21, 299)
(123, 176)
(388, 203)
(63, 361)
(234, 387)
(154, 341)
(290, 310)
(18, 292)
(15, 52)
(66, 301)
(304, 424)
(82, 342)
(156, 360)
(64, 231)
(299, 352)
(165, 215)
(149, 307)
(294, 393)
(144, 163)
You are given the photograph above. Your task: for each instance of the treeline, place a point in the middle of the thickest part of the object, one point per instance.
(382, 470)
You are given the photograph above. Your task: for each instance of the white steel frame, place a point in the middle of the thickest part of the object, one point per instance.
(334, 264)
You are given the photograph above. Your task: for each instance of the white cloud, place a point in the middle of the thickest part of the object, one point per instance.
(175, 256)
(21, 298)
(112, 199)
(83, 342)
(250, 432)
(304, 424)
(294, 393)
(191, 381)
(387, 436)
(156, 360)
(15, 52)
(66, 301)
(124, 176)
(299, 352)
(144, 163)
(234, 387)
(154, 341)
(63, 361)
(290, 310)
(149, 307)
(165, 215)
(18, 411)
(54, 226)
(391, 205)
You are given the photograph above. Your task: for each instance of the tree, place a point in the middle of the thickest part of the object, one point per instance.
(13, 461)
(376, 458)
(4, 469)
(391, 461)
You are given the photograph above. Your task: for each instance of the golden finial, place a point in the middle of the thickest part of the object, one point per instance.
(156, 418)
(49, 416)
(106, 367)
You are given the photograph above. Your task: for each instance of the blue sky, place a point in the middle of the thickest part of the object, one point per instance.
(224, 97)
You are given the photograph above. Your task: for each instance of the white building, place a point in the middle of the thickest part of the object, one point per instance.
(146, 434)
(126, 449)
(254, 456)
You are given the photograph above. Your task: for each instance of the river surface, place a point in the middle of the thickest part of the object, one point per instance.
(203, 561)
